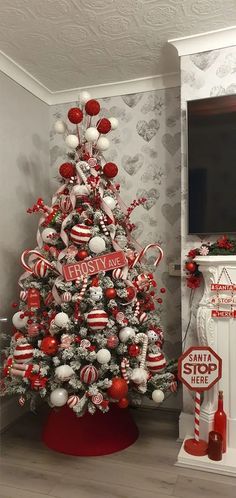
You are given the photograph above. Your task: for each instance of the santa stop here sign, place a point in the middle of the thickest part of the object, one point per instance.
(199, 368)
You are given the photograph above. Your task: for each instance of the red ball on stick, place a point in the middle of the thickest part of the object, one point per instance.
(67, 170)
(191, 266)
(110, 293)
(49, 345)
(75, 115)
(92, 107)
(110, 170)
(118, 389)
(104, 126)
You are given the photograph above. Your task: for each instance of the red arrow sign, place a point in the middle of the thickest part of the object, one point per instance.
(199, 368)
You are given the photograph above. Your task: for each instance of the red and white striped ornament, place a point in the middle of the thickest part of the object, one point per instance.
(117, 273)
(142, 317)
(103, 226)
(40, 268)
(80, 234)
(23, 353)
(66, 297)
(80, 295)
(65, 203)
(124, 366)
(23, 295)
(88, 374)
(155, 362)
(49, 298)
(143, 282)
(85, 343)
(33, 330)
(21, 400)
(97, 319)
(173, 386)
(97, 399)
(137, 309)
(72, 401)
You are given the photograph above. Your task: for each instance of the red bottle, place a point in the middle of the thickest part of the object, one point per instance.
(220, 421)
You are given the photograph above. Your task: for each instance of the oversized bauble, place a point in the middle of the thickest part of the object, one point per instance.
(40, 268)
(19, 320)
(158, 396)
(60, 126)
(73, 400)
(191, 266)
(104, 126)
(72, 141)
(67, 170)
(152, 336)
(23, 353)
(97, 319)
(97, 244)
(123, 403)
(92, 107)
(134, 350)
(84, 97)
(82, 254)
(110, 202)
(66, 297)
(155, 362)
(64, 372)
(112, 341)
(91, 134)
(114, 123)
(88, 374)
(58, 397)
(33, 330)
(110, 170)
(126, 333)
(48, 236)
(81, 190)
(49, 345)
(103, 356)
(110, 293)
(61, 320)
(118, 389)
(139, 375)
(80, 234)
(102, 143)
(65, 203)
(75, 115)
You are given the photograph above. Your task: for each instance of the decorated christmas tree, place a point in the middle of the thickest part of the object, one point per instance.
(87, 332)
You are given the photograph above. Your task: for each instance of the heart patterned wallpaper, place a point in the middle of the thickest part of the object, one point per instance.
(146, 146)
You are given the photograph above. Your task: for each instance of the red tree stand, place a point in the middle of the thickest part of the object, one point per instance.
(89, 435)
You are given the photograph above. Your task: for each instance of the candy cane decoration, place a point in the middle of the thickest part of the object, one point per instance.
(137, 309)
(124, 366)
(27, 252)
(197, 415)
(82, 175)
(103, 226)
(144, 251)
(144, 339)
(83, 289)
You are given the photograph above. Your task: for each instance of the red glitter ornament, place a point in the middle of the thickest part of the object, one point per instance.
(110, 170)
(82, 254)
(123, 403)
(118, 389)
(112, 341)
(92, 107)
(110, 293)
(67, 170)
(104, 126)
(191, 266)
(133, 350)
(49, 345)
(75, 115)
(130, 293)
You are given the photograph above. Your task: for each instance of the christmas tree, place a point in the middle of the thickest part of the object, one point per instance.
(87, 332)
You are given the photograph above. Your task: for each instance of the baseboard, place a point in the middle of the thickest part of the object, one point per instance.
(10, 411)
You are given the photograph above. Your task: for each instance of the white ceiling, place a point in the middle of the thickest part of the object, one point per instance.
(77, 43)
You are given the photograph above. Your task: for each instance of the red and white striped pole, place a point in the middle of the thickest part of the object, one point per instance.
(196, 446)
(197, 415)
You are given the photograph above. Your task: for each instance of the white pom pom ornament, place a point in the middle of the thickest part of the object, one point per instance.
(72, 141)
(91, 134)
(110, 202)
(58, 397)
(103, 356)
(60, 126)
(102, 143)
(126, 333)
(80, 190)
(64, 372)
(139, 375)
(19, 322)
(97, 245)
(61, 320)
(114, 123)
(84, 97)
(158, 396)
(47, 236)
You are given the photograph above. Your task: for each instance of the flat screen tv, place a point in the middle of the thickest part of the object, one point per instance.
(212, 165)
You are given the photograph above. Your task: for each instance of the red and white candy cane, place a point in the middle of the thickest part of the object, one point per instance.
(197, 415)
(137, 309)
(83, 289)
(28, 252)
(140, 256)
(144, 339)
(124, 366)
(103, 226)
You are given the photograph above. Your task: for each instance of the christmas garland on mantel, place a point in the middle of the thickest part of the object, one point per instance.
(222, 247)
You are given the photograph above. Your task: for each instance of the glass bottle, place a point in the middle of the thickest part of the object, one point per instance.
(220, 420)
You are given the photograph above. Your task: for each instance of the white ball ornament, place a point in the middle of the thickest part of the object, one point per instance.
(126, 333)
(97, 244)
(152, 336)
(114, 123)
(158, 396)
(47, 236)
(102, 143)
(91, 134)
(64, 372)
(84, 97)
(72, 141)
(61, 319)
(110, 202)
(58, 397)
(19, 322)
(103, 356)
(60, 126)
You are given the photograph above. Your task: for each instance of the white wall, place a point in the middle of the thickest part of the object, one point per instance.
(24, 160)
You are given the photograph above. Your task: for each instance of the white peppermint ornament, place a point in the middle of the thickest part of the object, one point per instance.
(18, 322)
(64, 372)
(61, 319)
(72, 400)
(72, 141)
(91, 134)
(97, 244)
(158, 396)
(126, 333)
(47, 236)
(66, 297)
(103, 356)
(60, 126)
(96, 293)
(58, 397)
(84, 97)
(102, 143)
(110, 202)
(114, 123)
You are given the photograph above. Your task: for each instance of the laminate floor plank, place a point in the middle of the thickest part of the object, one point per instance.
(10, 492)
(189, 487)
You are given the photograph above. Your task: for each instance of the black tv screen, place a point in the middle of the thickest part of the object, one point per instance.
(212, 165)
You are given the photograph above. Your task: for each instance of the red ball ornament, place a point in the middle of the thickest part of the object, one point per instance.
(191, 266)
(130, 293)
(133, 350)
(159, 300)
(82, 254)
(75, 115)
(104, 126)
(118, 389)
(49, 345)
(123, 403)
(112, 341)
(110, 170)
(92, 107)
(67, 170)
(163, 290)
(110, 293)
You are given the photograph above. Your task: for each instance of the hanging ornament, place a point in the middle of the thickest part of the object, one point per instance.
(21, 400)
(67, 170)
(110, 293)
(91, 134)
(97, 319)
(191, 266)
(126, 333)
(33, 298)
(102, 144)
(97, 244)
(110, 170)
(158, 396)
(72, 141)
(61, 320)
(92, 107)
(85, 343)
(81, 190)
(104, 126)
(123, 403)
(82, 254)
(33, 330)
(23, 353)
(103, 356)
(73, 401)
(75, 115)
(66, 297)
(96, 293)
(49, 345)
(118, 388)
(152, 336)
(97, 399)
(142, 317)
(112, 341)
(37, 382)
(64, 372)
(84, 97)
(114, 123)
(23, 295)
(139, 376)
(65, 203)
(117, 273)
(60, 126)
(88, 374)
(59, 397)
(40, 269)
(110, 202)
(19, 320)
(155, 362)
(66, 341)
(48, 235)
(80, 234)
(134, 350)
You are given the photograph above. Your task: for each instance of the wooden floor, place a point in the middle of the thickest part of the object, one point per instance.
(145, 470)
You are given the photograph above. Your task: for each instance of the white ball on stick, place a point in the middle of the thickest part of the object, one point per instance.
(91, 134)
(60, 126)
(114, 123)
(72, 141)
(110, 202)
(47, 235)
(102, 143)
(84, 97)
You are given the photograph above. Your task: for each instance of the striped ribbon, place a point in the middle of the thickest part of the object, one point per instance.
(197, 415)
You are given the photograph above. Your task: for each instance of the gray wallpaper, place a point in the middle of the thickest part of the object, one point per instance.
(146, 147)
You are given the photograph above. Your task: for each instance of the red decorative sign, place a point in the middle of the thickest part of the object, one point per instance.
(199, 368)
(223, 287)
(92, 266)
(33, 298)
(223, 314)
